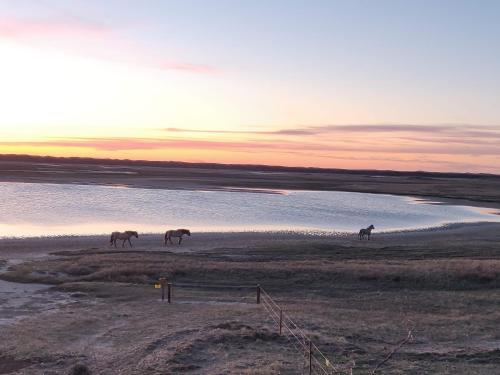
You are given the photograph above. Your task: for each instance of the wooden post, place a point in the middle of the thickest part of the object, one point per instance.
(281, 321)
(169, 292)
(310, 357)
(162, 281)
(258, 293)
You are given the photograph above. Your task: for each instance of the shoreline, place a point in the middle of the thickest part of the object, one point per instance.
(301, 234)
(30, 248)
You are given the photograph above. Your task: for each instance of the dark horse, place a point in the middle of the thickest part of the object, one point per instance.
(366, 232)
(175, 233)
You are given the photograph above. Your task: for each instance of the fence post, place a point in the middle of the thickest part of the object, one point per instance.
(310, 357)
(258, 293)
(162, 281)
(169, 292)
(281, 321)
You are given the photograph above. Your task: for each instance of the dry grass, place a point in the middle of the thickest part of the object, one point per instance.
(147, 267)
(353, 301)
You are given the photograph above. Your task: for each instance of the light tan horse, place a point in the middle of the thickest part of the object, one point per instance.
(125, 236)
(175, 233)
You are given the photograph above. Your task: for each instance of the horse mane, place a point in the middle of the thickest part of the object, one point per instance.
(185, 231)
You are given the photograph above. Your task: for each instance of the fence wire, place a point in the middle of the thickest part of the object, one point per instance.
(317, 361)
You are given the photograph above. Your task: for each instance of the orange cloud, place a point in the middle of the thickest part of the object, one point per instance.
(373, 144)
(403, 147)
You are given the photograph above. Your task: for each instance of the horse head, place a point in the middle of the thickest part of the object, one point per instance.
(371, 227)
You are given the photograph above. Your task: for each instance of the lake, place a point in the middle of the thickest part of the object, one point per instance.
(29, 209)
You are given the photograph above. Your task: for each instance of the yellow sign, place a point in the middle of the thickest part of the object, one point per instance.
(157, 286)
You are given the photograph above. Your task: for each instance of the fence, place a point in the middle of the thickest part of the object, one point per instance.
(316, 362)
(168, 287)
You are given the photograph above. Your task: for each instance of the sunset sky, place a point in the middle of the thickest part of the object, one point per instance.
(406, 85)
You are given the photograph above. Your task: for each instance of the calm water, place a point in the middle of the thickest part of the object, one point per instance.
(50, 209)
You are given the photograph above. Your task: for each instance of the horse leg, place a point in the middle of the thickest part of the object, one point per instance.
(123, 243)
(180, 240)
(170, 239)
(114, 242)
(130, 242)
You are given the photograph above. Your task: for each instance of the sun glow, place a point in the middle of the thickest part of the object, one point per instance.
(78, 85)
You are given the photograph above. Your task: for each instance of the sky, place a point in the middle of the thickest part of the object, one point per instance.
(404, 85)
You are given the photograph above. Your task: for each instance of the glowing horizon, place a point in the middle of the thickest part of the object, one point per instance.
(356, 86)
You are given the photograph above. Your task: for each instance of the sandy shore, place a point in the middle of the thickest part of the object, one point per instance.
(33, 247)
(354, 298)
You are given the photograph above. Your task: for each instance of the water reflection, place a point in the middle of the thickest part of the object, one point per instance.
(52, 209)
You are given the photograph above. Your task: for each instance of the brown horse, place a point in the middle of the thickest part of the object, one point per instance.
(175, 233)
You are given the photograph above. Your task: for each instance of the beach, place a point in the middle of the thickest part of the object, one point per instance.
(355, 299)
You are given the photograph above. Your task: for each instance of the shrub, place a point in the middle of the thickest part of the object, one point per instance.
(79, 369)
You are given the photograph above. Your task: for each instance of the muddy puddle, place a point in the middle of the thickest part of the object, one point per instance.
(19, 300)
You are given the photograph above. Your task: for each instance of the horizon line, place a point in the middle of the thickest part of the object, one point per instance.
(249, 165)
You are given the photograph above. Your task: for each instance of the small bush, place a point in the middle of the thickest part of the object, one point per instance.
(79, 369)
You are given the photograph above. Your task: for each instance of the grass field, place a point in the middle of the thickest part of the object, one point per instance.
(355, 299)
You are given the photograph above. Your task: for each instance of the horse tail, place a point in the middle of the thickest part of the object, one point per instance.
(112, 238)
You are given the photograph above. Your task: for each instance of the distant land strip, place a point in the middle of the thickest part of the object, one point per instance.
(480, 189)
(249, 167)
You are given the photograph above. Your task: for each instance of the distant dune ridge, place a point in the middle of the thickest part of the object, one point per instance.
(250, 167)
(483, 189)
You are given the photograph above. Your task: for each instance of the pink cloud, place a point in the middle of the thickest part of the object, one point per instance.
(38, 28)
(460, 131)
(88, 38)
(187, 67)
